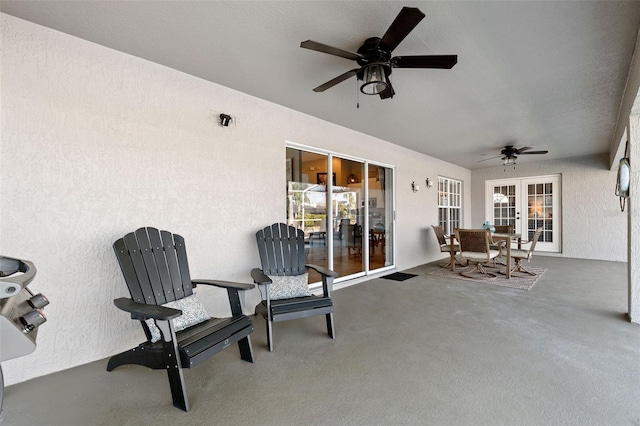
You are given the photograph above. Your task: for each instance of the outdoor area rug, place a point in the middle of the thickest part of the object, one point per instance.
(399, 276)
(518, 280)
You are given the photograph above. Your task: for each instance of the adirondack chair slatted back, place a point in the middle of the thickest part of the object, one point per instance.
(281, 249)
(154, 265)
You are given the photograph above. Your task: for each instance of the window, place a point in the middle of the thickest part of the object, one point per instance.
(449, 204)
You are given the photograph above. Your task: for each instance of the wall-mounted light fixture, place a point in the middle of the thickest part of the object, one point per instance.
(429, 183)
(415, 187)
(225, 119)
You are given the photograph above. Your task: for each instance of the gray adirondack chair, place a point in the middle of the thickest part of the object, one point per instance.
(155, 268)
(282, 254)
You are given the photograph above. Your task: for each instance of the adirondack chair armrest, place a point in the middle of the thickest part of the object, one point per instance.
(327, 278)
(259, 277)
(143, 311)
(223, 284)
(323, 271)
(232, 291)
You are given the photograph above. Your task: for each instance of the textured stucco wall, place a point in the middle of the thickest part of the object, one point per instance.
(96, 143)
(593, 227)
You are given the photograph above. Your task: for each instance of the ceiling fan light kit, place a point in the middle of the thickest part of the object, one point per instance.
(373, 78)
(374, 57)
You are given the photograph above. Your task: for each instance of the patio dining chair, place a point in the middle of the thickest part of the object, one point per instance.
(445, 246)
(475, 248)
(519, 254)
(500, 245)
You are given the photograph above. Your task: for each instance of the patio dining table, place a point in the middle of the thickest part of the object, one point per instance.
(507, 237)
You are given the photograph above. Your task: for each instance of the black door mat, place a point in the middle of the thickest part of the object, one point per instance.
(398, 276)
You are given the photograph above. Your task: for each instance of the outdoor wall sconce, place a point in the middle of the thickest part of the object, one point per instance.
(225, 119)
(415, 187)
(429, 183)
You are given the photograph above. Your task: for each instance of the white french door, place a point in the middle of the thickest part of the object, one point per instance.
(527, 203)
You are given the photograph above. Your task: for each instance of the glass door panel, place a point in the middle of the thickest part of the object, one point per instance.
(348, 217)
(506, 204)
(381, 224)
(307, 204)
(543, 199)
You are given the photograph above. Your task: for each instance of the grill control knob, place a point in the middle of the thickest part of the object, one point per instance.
(32, 319)
(38, 301)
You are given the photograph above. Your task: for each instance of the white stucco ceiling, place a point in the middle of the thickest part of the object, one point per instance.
(545, 74)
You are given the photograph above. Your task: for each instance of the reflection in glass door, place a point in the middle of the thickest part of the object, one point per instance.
(541, 196)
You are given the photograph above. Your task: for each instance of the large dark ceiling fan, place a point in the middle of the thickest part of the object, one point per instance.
(509, 154)
(374, 57)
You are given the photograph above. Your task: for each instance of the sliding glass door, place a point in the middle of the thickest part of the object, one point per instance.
(345, 208)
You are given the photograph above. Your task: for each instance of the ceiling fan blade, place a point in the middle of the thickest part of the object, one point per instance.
(319, 47)
(490, 158)
(404, 23)
(388, 92)
(533, 152)
(519, 150)
(338, 79)
(425, 61)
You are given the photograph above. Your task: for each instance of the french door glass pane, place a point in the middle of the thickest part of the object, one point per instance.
(540, 211)
(504, 205)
